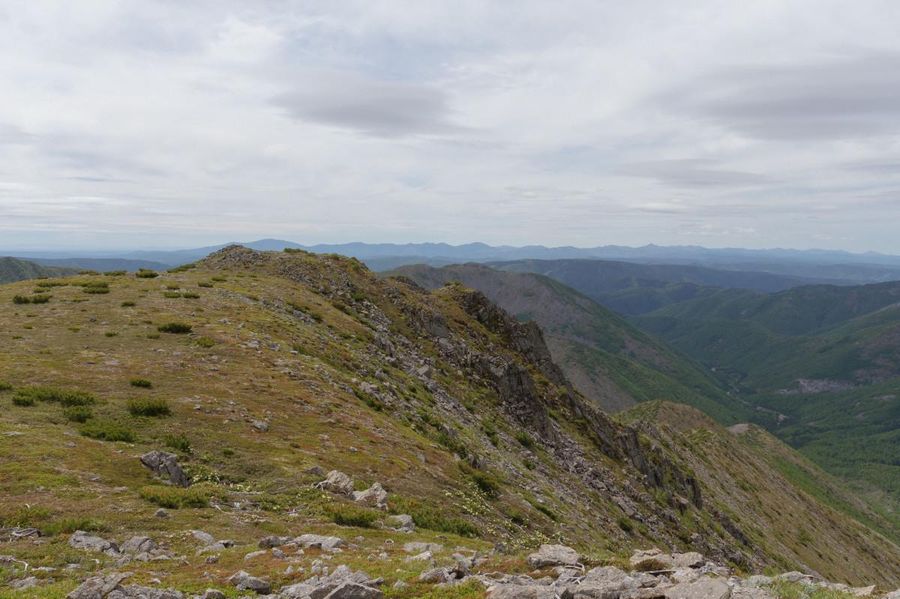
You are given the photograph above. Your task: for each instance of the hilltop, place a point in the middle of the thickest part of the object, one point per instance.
(264, 374)
(13, 269)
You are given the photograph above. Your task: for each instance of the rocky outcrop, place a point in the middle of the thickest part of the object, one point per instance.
(165, 465)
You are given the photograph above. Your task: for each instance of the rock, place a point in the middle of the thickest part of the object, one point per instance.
(401, 523)
(862, 591)
(273, 541)
(261, 426)
(691, 559)
(343, 583)
(553, 555)
(425, 556)
(354, 590)
(338, 483)
(98, 587)
(24, 583)
(419, 547)
(651, 560)
(517, 591)
(203, 537)
(703, 588)
(319, 541)
(254, 555)
(165, 465)
(140, 592)
(212, 594)
(795, 576)
(374, 496)
(435, 575)
(758, 580)
(161, 513)
(84, 541)
(136, 545)
(243, 581)
(602, 583)
(744, 592)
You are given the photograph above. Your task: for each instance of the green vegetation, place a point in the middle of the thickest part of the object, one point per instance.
(146, 274)
(178, 442)
(141, 383)
(176, 497)
(64, 397)
(31, 299)
(344, 514)
(154, 408)
(176, 328)
(107, 430)
(79, 414)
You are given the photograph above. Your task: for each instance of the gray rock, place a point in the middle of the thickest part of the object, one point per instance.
(84, 541)
(703, 588)
(243, 581)
(338, 483)
(419, 547)
(319, 541)
(553, 555)
(161, 513)
(203, 537)
(354, 590)
(98, 587)
(261, 425)
(212, 594)
(745, 592)
(757, 580)
(136, 545)
(273, 541)
(139, 592)
(691, 559)
(374, 496)
(516, 591)
(436, 575)
(165, 465)
(255, 554)
(401, 523)
(24, 583)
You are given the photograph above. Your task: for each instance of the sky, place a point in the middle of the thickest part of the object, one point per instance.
(166, 123)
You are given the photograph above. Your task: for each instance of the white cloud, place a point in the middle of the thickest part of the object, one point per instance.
(581, 122)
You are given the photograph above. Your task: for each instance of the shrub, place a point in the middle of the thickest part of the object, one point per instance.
(173, 287)
(64, 397)
(34, 299)
(111, 334)
(190, 295)
(115, 273)
(183, 267)
(142, 383)
(171, 294)
(625, 524)
(546, 511)
(486, 482)
(176, 497)
(351, 515)
(526, 440)
(4, 386)
(95, 287)
(24, 401)
(69, 525)
(204, 284)
(78, 414)
(96, 290)
(219, 279)
(144, 273)
(205, 342)
(176, 328)
(155, 408)
(88, 272)
(128, 304)
(48, 284)
(431, 518)
(106, 430)
(178, 442)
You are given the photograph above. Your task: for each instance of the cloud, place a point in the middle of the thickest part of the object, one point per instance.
(842, 98)
(691, 173)
(372, 107)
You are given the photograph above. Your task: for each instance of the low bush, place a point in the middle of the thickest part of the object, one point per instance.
(351, 515)
(486, 482)
(64, 397)
(219, 279)
(146, 274)
(24, 401)
(176, 328)
(115, 273)
(432, 518)
(171, 294)
(525, 439)
(204, 284)
(4, 386)
(183, 267)
(176, 497)
(142, 383)
(95, 287)
(32, 299)
(106, 430)
(154, 408)
(128, 304)
(205, 342)
(178, 442)
(78, 414)
(67, 526)
(190, 295)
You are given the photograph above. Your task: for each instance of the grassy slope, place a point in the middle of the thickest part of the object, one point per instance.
(13, 269)
(265, 347)
(607, 358)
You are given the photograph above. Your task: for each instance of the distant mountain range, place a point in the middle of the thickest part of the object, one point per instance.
(13, 269)
(821, 265)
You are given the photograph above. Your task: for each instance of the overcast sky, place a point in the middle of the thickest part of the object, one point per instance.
(173, 123)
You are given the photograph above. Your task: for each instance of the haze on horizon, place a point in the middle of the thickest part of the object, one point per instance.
(161, 124)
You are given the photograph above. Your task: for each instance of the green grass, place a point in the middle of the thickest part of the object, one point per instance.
(154, 408)
(178, 442)
(64, 397)
(176, 497)
(106, 430)
(31, 299)
(79, 414)
(146, 274)
(350, 515)
(141, 383)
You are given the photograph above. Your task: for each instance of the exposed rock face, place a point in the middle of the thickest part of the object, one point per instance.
(319, 541)
(703, 588)
(87, 542)
(553, 555)
(243, 581)
(338, 483)
(374, 496)
(165, 465)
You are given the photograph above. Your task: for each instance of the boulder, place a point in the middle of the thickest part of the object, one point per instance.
(165, 465)
(691, 559)
(338, 483)
(273, 541)
(319, 541)
(374, 496)
(517, 591)
(354, 590)
(140, 592)
(702, 588)
(401, 523)
(243, 581)
(212, 594)
(419, 547)
(84, 541)
(137, 545)
(98, 587)
(203, 537)
(553, 555)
